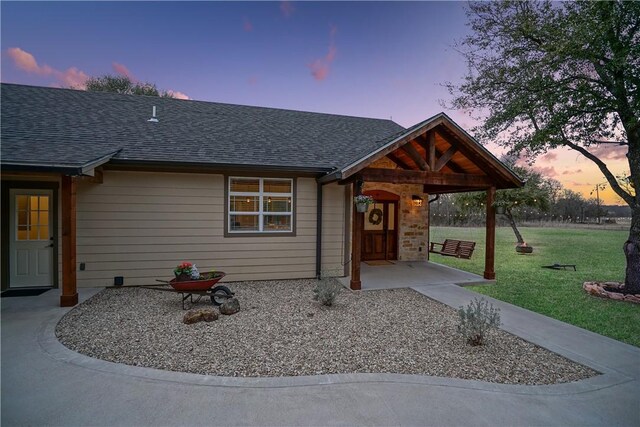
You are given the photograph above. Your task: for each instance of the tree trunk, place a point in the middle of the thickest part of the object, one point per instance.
(512, 222)
(632, 252)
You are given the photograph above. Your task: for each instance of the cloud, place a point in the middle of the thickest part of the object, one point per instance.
(578, 184)
(123, 71)
(549, 157)
(178, 95)
(287, 8)
(27, 62)
(609, 151)
(247, 25)
(71, 77)
(321, 67)
(571, 172)
(548, 171)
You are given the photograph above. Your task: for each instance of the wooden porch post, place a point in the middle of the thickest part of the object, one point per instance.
(489, 260)
(356, 240)
(69, 296)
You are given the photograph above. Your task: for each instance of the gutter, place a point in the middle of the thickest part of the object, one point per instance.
(220, 166)
(61, 168)
(335, 176)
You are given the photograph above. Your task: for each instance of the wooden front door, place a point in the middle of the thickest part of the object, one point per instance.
(380, 234)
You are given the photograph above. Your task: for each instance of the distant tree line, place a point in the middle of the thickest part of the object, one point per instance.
(559, 205)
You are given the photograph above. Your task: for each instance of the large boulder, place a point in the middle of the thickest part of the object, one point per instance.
(200, 314)
(230, 306)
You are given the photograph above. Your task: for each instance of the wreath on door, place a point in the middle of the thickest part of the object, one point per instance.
(375, 216)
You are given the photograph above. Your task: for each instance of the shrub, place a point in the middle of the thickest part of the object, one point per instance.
(326, 291)
(476, 319)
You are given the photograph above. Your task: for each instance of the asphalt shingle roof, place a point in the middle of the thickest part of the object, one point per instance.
(70, 127)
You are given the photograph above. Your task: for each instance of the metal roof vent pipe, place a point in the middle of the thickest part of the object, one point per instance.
(153, 118)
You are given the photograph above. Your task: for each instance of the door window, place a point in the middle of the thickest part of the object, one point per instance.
(373, 219)
(32, 217)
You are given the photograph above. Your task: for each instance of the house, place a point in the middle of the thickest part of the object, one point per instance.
(103, 187)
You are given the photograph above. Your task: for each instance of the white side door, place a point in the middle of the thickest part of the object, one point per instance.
(31, 238)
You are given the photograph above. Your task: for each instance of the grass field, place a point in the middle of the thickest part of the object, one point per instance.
(521, 280)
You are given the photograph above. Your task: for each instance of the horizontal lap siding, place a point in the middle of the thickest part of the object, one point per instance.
(140, 225)
(333, 230)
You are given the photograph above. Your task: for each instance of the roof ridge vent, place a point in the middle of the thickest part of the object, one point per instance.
(153, 118)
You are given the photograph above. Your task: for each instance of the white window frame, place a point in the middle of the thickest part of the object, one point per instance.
(261, 195)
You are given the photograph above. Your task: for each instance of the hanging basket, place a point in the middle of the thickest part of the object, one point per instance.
(362, 207)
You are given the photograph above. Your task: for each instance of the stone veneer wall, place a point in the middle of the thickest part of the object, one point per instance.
(413, 222)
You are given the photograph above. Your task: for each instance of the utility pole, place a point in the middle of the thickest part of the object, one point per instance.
(597, 190)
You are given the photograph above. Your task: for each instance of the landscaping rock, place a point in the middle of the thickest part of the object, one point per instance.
(141, 327)
(607, 290)
(200, 314)
(230, 306)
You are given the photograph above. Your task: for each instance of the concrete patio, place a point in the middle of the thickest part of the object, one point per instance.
(407, 274)
(44, 383)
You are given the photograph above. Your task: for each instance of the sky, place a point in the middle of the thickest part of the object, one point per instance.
(371, 59)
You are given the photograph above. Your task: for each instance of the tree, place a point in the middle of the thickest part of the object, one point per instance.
(123, 84)
(545, 75)
(534, 194)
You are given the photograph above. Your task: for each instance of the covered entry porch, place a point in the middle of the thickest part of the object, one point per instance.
(431, 158)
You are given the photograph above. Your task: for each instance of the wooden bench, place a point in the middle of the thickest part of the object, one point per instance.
(455, 248)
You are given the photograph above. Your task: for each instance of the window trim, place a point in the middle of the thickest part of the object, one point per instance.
(260, 213)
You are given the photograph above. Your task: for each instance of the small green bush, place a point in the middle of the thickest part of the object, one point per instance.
(326, 291)
(476, 319)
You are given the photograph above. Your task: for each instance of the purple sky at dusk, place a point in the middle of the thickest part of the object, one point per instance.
(374, 59)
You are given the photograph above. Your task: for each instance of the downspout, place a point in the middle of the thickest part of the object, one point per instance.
(319, 231)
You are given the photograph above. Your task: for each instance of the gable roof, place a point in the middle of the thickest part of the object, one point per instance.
(67, 130)
(467, 155)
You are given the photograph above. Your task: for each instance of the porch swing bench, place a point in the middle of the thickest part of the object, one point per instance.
(454, 248)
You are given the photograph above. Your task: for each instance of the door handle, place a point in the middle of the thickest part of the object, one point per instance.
(49, 246)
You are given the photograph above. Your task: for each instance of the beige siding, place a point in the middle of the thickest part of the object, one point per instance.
(140, 225)
(333, 230)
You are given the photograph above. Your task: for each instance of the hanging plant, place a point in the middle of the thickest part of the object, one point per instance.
(362, 202)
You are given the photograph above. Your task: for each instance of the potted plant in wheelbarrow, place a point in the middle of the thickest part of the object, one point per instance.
(188, 278)
(189, 282)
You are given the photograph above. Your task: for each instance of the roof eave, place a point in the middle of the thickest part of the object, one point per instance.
(316, 171)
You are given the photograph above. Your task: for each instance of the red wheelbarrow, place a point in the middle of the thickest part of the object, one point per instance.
(201, 288)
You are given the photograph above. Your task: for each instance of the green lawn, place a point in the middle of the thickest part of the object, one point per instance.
(521, 280)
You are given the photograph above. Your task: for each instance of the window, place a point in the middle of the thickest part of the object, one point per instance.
(32, 217)
(260, 205)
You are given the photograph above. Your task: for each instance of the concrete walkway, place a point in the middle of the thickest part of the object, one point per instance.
(43, 383)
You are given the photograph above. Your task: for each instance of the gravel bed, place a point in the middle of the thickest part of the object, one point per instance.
(281, 331)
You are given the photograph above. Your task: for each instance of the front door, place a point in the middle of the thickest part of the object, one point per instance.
(380, 236)
(30, 238)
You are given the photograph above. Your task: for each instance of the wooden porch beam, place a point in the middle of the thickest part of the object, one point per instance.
(489, 260)
(69, 296)
(395, 159)
(415, 156)
(444, 158)
(431, 150)
(399, 176)
(356, 240)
